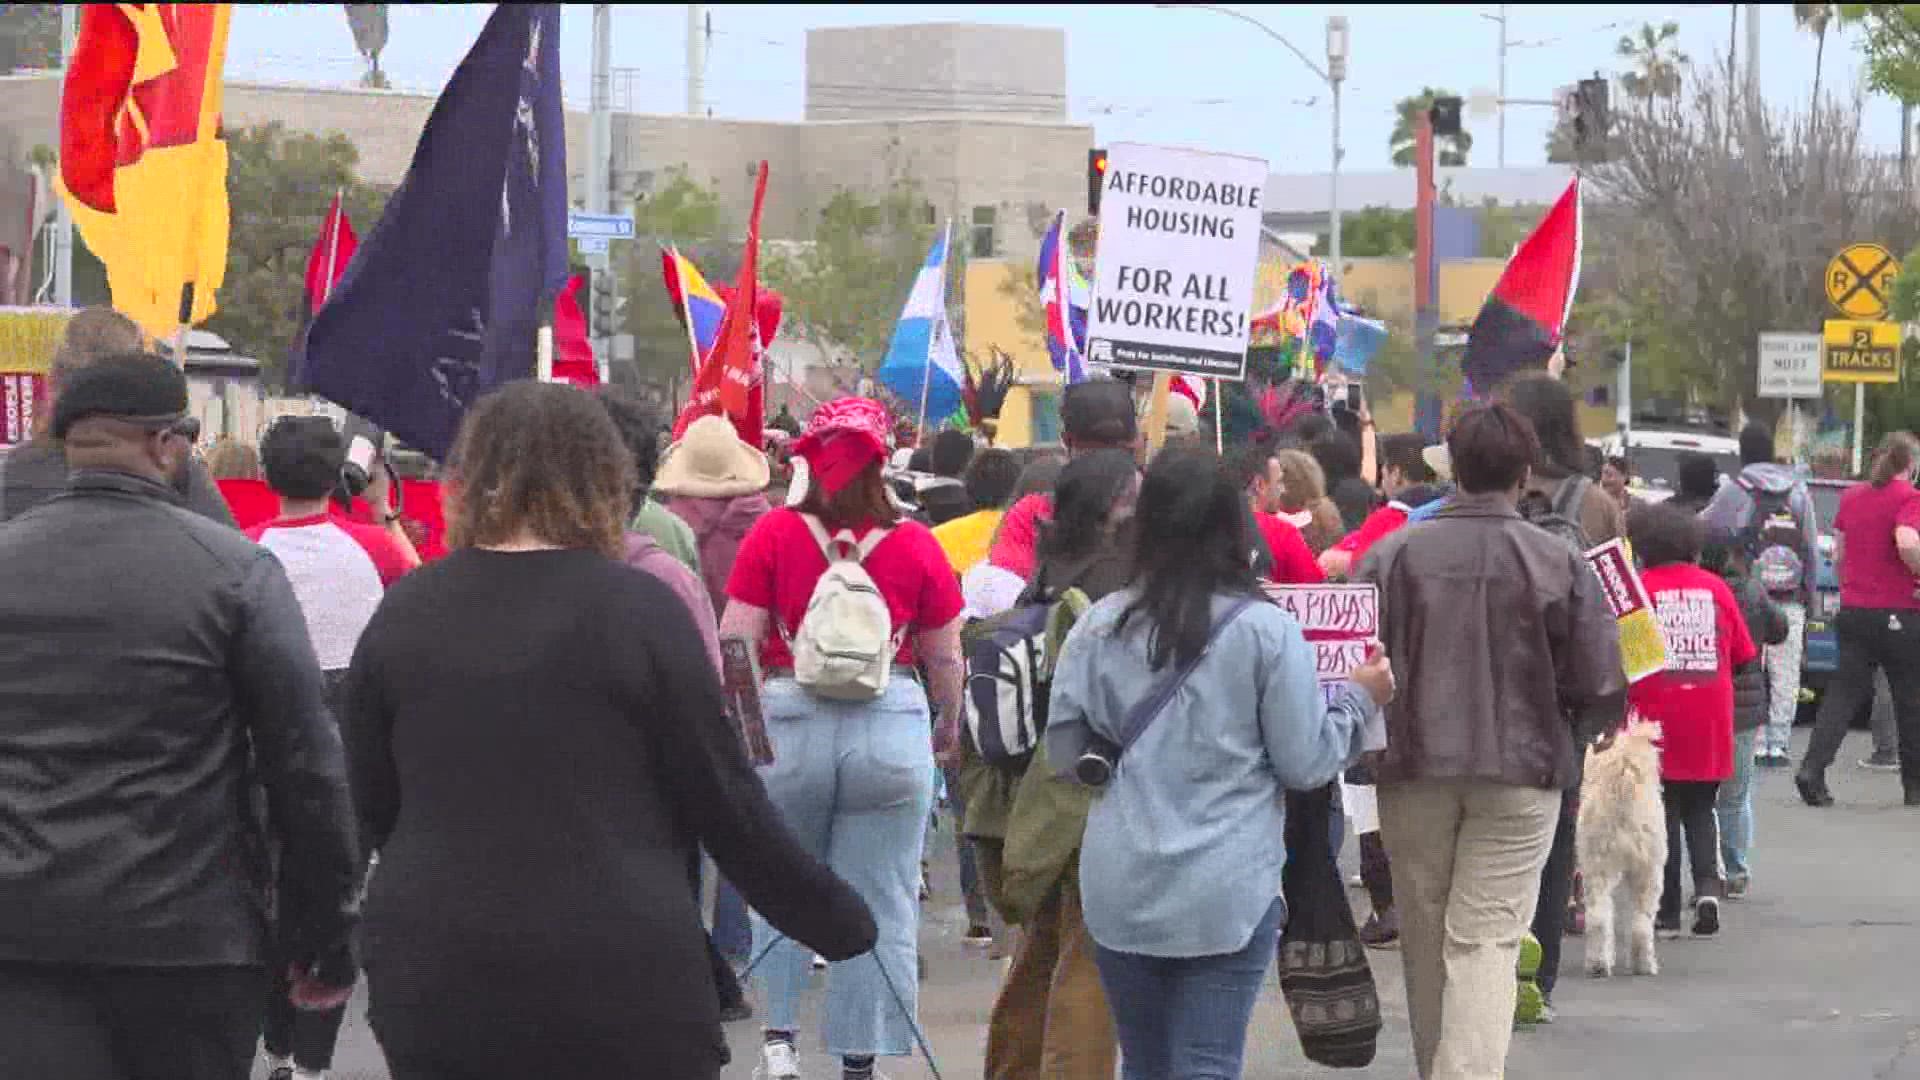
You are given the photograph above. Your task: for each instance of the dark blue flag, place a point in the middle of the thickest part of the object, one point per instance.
(444, 298)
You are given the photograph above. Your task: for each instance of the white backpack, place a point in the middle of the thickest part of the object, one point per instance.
(844, 647)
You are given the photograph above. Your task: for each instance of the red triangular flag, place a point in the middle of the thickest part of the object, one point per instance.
(1522, 322)
(729, 382)
(332, 251)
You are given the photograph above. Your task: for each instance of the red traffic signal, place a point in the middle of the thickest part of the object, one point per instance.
(1096, 176)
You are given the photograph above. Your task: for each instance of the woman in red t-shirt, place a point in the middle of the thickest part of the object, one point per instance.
(854, 779)
(1691, 700)
(1876, 553)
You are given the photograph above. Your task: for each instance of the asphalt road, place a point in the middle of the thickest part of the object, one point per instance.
(1811, 979)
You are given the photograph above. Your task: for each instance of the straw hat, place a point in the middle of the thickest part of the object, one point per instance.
(710, 462)
(1440, 460)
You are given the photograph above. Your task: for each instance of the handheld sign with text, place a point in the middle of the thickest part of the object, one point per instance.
(740, 685)
(1342, 623)
(1179, 244)
(1643, 651)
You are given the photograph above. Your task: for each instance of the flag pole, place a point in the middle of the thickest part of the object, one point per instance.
(686, 314)
(939, 318)
(1219, 422)
(332, 224)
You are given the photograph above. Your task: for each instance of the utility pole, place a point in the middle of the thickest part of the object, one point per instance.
(1753, 58)
(600, 118)
(1501, 143)
(1426, 315)
(696, 59)
(600, 167)
(63, 223)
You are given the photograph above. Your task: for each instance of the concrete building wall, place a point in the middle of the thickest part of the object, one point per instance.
(935, 69)
(1020, 169)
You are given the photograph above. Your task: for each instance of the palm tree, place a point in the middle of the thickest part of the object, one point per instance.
(1655, 51)
(1407, 113)
(369, 25)
(1814, 19)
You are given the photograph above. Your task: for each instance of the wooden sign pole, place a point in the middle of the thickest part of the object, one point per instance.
(1157, 412)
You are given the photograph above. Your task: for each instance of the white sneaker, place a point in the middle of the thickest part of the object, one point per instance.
(779, 1061)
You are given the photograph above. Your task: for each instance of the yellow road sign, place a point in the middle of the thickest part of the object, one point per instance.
(1860, 351)
(1860, 281)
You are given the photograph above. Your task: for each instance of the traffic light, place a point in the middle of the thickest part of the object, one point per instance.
(1444, 114)
(605, 318)
(1096, 178)
(1591, 116)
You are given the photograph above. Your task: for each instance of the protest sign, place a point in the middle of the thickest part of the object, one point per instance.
(1179, 246)
(25, 392)
(1341, 622)
(1643, 650)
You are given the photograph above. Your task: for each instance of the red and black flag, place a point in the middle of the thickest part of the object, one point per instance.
(1525, 316)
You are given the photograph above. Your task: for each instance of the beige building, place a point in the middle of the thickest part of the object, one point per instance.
(976, 115)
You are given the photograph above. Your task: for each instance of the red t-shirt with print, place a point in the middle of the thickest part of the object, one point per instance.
(1692, 700)
(779, 563)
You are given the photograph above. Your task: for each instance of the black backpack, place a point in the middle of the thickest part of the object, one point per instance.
(1560, 515)
(1009, 671)
(1772, 539)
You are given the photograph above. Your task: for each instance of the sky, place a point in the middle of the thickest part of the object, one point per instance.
(1136, 73)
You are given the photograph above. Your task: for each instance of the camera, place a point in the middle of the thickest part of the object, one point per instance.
(363, 444)
(1096, 763)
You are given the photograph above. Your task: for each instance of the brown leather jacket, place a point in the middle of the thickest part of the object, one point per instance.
(1502, 643)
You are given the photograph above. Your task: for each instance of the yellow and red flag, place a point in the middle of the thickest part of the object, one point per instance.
(143, 166)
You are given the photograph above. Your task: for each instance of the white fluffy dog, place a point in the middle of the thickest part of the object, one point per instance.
(1623, 846)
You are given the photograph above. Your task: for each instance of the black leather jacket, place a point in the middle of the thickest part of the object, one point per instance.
(155, 673)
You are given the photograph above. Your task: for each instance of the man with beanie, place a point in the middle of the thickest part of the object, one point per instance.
(1765, 503)
(1094, 415)
(155, 672)
(33, 473)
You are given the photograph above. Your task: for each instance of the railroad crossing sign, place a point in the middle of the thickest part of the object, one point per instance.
(1861, 352)
(1860, 281)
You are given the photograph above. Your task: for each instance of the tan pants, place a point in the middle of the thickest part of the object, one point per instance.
(1051, 1021)
(1466, 857)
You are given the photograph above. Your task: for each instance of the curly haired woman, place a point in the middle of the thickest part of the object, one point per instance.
(537, 745)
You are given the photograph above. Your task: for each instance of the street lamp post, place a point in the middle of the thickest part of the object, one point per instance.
(1334, 74)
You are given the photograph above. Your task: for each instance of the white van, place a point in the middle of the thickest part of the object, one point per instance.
(1654, 453)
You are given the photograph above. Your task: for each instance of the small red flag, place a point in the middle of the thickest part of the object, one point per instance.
(572, 353)
(729, 382)
(332, 251)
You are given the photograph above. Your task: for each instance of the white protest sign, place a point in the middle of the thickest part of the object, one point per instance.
(1179, 245)
(1342, 623)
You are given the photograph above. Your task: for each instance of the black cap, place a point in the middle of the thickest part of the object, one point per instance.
(1100, 412)
(139, 387)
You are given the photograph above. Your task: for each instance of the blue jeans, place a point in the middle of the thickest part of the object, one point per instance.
(1734, 805)
(1185, 1018)
(854, 781)
(732, 931)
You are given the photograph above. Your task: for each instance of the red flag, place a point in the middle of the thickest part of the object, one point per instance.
(729, 382)
(1523, 319)
(572, 353)
(332, 251)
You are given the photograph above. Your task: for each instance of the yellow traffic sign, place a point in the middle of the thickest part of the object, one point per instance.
(1860, 281)
(1860, 351)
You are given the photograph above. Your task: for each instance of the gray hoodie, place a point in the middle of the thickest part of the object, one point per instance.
(1732, 508)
